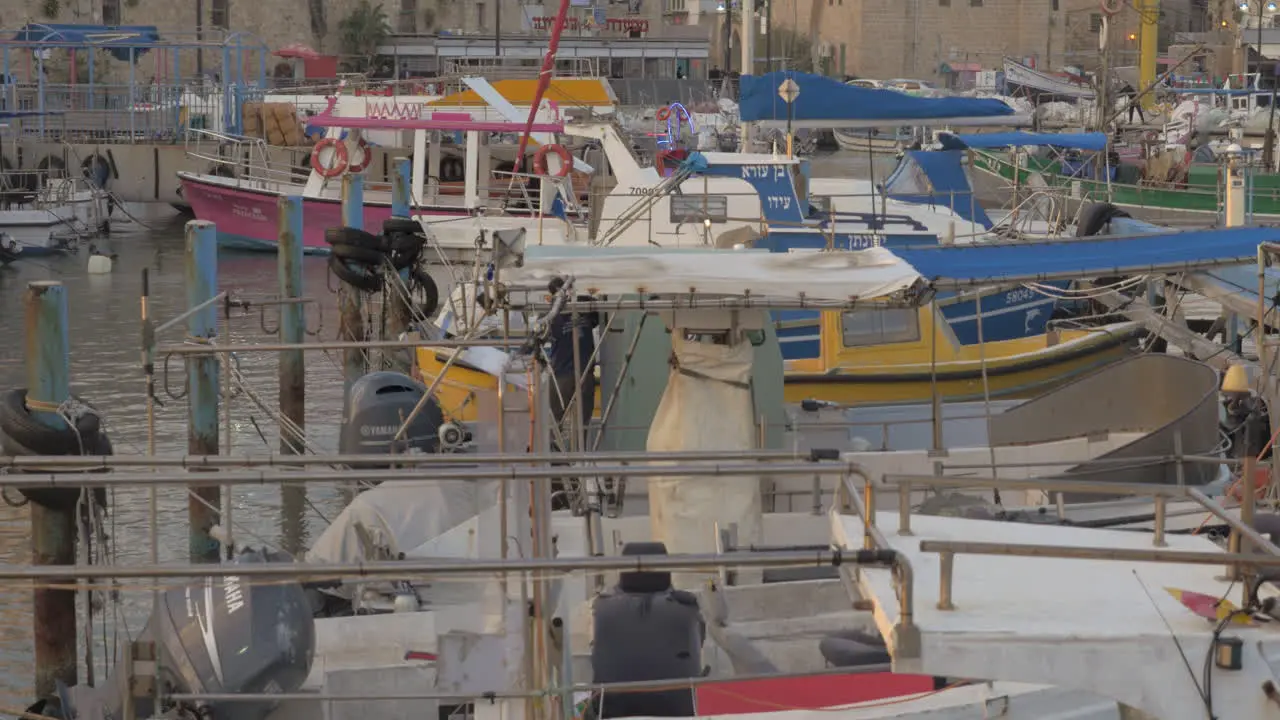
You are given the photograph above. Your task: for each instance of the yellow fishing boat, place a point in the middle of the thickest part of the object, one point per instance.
(874, 356)
(900, 355)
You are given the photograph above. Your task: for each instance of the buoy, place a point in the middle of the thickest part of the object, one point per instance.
(99, 264)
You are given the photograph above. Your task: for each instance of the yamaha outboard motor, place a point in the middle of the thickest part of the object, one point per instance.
(646, 630)
(380, 403)
(224, 635)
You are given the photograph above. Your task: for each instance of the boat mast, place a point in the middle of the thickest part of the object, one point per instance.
(544, 79)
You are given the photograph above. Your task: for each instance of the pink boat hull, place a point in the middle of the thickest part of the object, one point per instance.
(250, 219)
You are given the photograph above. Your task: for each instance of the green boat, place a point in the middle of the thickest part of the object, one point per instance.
(1192, 198)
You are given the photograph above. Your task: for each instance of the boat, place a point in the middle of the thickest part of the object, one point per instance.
(43, 213)
(447, 182)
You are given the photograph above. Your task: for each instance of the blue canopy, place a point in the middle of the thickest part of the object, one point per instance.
(1094, 141)
(937, 179)
(118, 41)
(19, 114)
(825, 102)
(960, 266)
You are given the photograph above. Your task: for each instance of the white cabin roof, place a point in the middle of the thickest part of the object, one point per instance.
(1106, 627)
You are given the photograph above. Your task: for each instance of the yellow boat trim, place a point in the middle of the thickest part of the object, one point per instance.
(567, 92)
(459, 392)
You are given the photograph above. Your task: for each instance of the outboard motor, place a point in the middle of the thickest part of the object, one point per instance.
(380, 402)
(223, 635)
(646, 630)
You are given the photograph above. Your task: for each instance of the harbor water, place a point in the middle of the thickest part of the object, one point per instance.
(106, 371)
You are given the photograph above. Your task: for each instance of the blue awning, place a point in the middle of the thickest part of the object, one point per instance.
(119, 41)
(962, 266)
(1094, 141)
(19, 114)
(936, 178)
(828, 103)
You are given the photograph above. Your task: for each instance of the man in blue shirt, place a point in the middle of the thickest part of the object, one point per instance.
(561, 358)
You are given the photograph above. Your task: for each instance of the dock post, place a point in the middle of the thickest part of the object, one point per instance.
(204, 502)
(293, 320)
(351, 317)
(53, 531)
(399, 317)
(293, 385)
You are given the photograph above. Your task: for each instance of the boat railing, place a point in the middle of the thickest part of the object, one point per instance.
(247, 160)
(1248, 550)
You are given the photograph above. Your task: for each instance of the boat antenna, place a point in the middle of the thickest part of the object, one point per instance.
(544, 80)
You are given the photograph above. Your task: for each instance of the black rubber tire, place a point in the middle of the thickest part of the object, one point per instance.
(67, 498)
(221, 170)
(401, 225)
(352, 237)
(430, 292)
(359, 280)
(360, 255)
(1095, 216)
(51, 162)
(17, 425)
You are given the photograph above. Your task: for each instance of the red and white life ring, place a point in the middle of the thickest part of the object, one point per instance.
(664, 113)
(366, 157)
(540, 160)
(339, 165)
(1111, 8)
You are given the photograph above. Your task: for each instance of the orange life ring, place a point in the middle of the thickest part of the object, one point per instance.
(366, 157)
(1111, 7)
(664, 113)
(339, 156)
(540, 160)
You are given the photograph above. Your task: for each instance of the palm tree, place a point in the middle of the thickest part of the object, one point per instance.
(360, 33)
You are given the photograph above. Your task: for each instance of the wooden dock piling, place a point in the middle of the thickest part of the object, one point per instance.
(203, 385)
(399, 317)
(53, 530)
(351, 314)
(293, 386)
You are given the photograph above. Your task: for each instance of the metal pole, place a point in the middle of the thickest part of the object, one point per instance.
(53, 531)
(292, 327)
(748, 19)
(202, 379)
(351, 317)
(396, 295)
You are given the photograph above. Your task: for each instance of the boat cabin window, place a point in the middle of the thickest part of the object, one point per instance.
(697, 208)
(878, 326)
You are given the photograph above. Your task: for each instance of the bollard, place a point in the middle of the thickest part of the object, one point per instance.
(293, 320)
(203, 386)
(53, 531)
(399, 316)
(293, 386)
(351, 317)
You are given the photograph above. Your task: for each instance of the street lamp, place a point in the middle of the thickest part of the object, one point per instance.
(789, 91)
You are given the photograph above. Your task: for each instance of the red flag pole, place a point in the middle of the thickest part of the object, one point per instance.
(544, 79)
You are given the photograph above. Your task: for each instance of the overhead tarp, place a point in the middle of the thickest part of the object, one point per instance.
(1094, 141)
(824, 103)
(982, 264)
(120, 40)
(937, 179)
(834, 277)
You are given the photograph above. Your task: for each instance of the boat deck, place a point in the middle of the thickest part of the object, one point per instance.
(1067, 622)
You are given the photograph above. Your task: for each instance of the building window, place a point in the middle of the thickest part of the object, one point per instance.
(220, 14)
(944, 3)
(408, 21)
(975, 3)
(698, 208)
(1054, 3)
(111, 12)
(879, 326)
(1095, 22)
(480, 16)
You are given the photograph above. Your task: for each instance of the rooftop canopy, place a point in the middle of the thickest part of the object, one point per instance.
(121, 41)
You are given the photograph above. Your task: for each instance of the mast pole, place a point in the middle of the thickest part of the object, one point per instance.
(544, 80)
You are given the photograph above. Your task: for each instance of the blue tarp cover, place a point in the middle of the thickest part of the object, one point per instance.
(1094, 141)
(19, 114)
(117, 40)
(977, 265)
(827, 99)
(937, 179)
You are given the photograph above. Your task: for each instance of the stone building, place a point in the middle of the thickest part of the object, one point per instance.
(924, 38)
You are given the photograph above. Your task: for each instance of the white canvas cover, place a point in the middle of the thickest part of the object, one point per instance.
(401, 517)
(707, 406)
(835, 276)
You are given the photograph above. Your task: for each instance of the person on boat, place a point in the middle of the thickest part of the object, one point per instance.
(1131, 97)
(564, 365)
